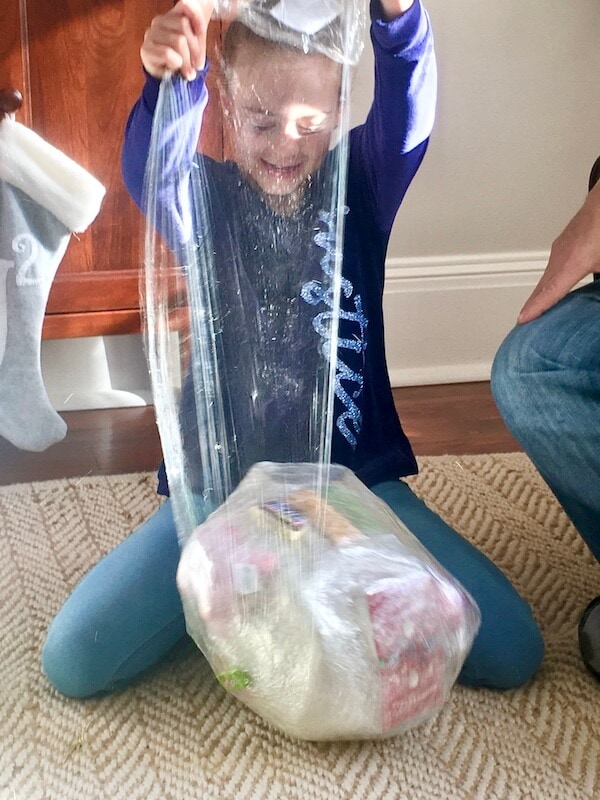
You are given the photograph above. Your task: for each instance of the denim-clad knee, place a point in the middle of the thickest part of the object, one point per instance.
(552, 362)
(546, 384)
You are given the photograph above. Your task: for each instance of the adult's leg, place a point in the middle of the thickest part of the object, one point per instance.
(122, 617)
(546, 383)
(508, 648)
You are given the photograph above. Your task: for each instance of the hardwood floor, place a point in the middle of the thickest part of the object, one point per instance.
(451, 418)
(457, 418)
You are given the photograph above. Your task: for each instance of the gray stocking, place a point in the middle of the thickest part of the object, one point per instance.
(32, 243)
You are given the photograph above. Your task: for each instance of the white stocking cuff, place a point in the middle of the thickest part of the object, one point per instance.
(48, 176)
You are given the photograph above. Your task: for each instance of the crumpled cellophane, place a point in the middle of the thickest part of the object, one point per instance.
(312, 25)
(311, 602)
(242, 301)
(319, 609)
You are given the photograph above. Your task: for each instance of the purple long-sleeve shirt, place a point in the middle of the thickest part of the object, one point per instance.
(384, 155)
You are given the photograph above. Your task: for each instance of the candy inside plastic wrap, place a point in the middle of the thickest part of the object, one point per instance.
(320, 610)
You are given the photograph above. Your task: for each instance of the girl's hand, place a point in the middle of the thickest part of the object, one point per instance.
(394, 8)
(176, 41)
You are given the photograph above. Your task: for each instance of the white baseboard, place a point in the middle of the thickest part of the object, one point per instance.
(445, 317)
(95, 372)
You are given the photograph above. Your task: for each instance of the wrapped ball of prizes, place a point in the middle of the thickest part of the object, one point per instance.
(320, 610)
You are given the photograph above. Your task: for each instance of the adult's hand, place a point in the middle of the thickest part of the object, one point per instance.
(573, 255)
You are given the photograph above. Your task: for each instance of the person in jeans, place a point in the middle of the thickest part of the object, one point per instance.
(546, 384)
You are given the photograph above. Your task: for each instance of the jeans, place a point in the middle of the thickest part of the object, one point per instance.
(546, 383)
(126, 612)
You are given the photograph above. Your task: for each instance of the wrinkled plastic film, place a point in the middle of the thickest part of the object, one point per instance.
(242, 300)
(313, 604)
(334, 28)
(328, 618)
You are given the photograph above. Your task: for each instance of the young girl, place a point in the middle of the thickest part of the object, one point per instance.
(126, 613)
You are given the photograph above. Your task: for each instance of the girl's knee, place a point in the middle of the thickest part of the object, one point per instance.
(509, 647)
(69, 664)
(507, 652)
(122, 617)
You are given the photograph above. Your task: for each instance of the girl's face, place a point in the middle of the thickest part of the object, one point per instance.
(284, 107)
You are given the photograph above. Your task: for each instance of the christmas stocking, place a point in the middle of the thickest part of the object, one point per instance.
(44, 196)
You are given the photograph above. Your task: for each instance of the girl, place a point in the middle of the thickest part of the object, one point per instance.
(126, 613)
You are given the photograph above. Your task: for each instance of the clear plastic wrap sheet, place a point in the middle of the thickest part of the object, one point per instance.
(242, 305)
(334, 28)
(323, 613)
(243, 258)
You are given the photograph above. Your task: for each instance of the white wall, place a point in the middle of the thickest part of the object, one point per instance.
(517, 130)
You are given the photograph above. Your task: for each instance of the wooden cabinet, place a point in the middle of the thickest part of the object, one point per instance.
(76, 63)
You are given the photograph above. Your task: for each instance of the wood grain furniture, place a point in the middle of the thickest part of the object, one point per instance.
(76, 64)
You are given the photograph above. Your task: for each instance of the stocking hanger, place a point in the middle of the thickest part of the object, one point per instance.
(10, 102)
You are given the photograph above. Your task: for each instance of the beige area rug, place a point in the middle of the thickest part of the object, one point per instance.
(177, 735)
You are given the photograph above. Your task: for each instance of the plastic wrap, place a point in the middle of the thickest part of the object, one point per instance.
(312, 603)
(334, 28)
(322, 612)
(243, 257)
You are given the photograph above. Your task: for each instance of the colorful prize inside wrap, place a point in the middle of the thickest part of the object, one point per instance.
(312, 603)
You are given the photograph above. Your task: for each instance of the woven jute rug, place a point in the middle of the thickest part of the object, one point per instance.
(176, 735)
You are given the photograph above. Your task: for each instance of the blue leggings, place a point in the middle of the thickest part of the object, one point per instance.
(126, 612)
